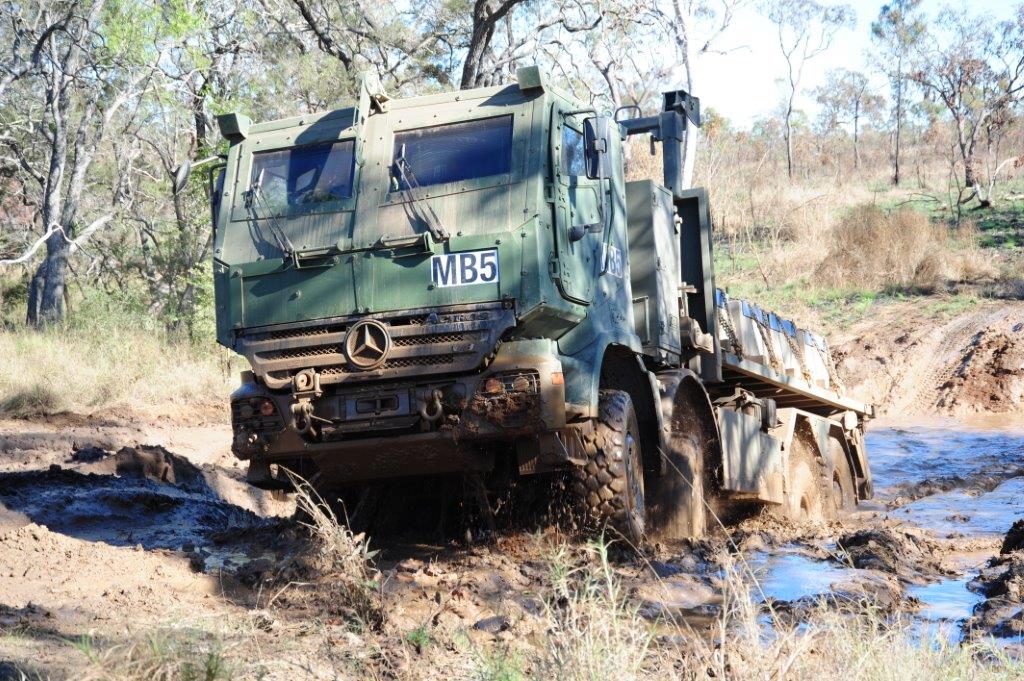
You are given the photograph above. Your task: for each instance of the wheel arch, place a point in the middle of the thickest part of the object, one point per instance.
(680, 384)
(819, 431)
(623, 369)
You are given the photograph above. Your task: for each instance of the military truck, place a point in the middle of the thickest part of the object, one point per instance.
(466, 284)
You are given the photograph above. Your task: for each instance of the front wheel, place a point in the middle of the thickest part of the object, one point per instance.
(609, 487)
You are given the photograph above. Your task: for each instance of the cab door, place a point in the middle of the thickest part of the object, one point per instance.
(577, 210)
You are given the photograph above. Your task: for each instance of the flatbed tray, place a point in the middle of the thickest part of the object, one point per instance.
(787, 391)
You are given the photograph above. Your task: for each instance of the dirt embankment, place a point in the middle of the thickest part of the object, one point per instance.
(910, 362)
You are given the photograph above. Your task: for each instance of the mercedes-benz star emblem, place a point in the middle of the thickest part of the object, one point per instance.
(367, 344)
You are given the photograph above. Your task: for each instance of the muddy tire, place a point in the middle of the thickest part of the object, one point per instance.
(804, 499)
(609, 488)
(844, 496)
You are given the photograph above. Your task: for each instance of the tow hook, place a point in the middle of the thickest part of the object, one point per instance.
(305, 387)
(303, 412)
(430, 408)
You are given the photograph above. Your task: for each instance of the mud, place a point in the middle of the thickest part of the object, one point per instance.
(1001, 583)
(164, 543)
(908, 555)
(113, 530)
(912, 362)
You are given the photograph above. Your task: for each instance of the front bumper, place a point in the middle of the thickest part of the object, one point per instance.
(397, 428)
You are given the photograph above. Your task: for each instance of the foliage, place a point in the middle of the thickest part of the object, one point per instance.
(88, 145)
(159, 656)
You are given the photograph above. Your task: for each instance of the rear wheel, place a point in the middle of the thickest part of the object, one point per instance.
(803, 500)
(844, 496)
(609, 488)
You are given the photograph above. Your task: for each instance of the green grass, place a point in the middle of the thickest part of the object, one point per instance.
(419, 637)
(808, 304)
(950, 306)
(1002, 226)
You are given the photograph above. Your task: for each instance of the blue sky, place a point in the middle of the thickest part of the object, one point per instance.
(742, 84)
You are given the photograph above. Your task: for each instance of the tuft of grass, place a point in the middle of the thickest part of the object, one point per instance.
(874, 249)
(592, 630)
(419, 637)
(345, 560)
(157, 657)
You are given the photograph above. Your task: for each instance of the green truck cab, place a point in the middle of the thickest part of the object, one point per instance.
(464, 283)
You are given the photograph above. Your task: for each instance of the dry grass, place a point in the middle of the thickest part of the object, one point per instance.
(116, 368)
(344, 561)
(157, 657)
(874, 249)
(593, 631)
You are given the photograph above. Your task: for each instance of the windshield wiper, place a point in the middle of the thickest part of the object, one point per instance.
(254, 195)
(407, 177)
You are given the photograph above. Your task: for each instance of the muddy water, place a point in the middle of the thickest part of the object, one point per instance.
(956, 481)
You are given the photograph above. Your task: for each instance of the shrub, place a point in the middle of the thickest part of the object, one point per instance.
(874, 249)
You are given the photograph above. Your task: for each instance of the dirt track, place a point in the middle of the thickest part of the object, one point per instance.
(113, 531)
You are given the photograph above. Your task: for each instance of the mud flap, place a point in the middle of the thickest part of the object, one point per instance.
(752, 466)
(677, 498)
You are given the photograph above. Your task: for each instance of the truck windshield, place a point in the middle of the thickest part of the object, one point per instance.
(301, 179)
(454, 152)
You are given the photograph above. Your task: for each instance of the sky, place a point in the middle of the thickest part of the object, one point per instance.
(742, 84)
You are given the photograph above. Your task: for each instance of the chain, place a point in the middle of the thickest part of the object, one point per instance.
(798, 350)
(773, 359)
(726, 320)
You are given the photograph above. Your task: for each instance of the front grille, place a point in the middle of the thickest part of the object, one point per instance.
(446, 340)
(296, 333)
(301, 352)
(407, 341)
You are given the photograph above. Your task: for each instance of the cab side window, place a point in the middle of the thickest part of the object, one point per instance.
(573, 158)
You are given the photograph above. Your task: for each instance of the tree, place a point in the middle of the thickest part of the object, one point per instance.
(898, 28)
(72, 84)
(977, 74)
(805, 29)
(487, 17)
(845, 99)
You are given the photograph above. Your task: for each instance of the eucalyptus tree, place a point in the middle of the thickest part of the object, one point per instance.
(974, 66)
(846, 98)
(58, 109)
(900, 26)
(805, 29)
(695, 28)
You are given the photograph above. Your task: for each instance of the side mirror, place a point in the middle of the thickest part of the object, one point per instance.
(597, 135)
(181, 175)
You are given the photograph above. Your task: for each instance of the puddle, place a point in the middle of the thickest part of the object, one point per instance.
(957, 512)
(948, 600)
(132, 511)
(969, 483)
(953, 479)
(790, 576)
(913, 455)
(950, 479)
